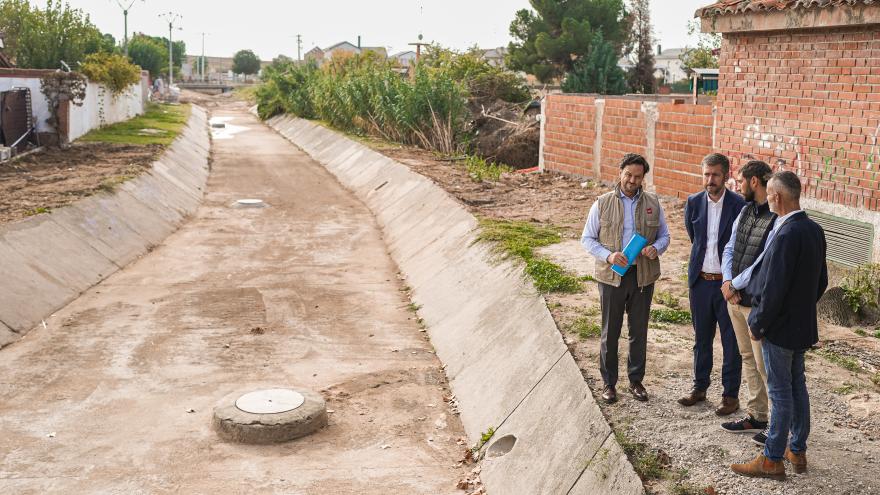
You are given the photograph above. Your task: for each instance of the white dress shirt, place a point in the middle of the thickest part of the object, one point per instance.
(711, 262)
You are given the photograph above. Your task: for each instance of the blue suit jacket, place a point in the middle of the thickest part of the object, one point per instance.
(696, 220)
(790, 280)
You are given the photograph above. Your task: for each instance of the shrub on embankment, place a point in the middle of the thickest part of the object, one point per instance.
(367, 95)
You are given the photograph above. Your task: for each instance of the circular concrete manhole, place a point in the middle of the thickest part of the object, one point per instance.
(249, 203)
(269, 416)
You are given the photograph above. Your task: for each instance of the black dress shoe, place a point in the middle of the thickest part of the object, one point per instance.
(609, 394)
(638, 391)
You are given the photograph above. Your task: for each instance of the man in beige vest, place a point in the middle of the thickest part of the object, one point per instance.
(613, 220)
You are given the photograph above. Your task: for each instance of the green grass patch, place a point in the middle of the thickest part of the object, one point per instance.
(585, 328)
(846, 389)
(667, 299)
(247, 93)
(875, 379)
(648, 464)
(676, 316)
(479, 169)
(877, 334)
(861, 332)
(519, 239)
(160, 124)
(37, 211)
(845, 362)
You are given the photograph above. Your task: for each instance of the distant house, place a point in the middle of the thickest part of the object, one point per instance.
(667, 65)
(495, 56)
(315, 54)
(626, 64)
(405, 59)
(352, 49)
(217, 68)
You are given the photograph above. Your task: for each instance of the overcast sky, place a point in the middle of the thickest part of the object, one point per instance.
(270, 27)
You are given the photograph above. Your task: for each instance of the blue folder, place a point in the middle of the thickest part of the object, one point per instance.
(631, 251)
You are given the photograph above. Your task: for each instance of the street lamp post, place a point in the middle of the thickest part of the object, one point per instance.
(171, 17)
(125, 10)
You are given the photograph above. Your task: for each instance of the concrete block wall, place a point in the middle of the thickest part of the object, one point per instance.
(50, 259)
(504, 356)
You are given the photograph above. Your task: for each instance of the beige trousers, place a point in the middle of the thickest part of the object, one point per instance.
(752, 362)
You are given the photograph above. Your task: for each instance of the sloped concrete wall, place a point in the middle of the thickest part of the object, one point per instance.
(504, 356)
(48, 260)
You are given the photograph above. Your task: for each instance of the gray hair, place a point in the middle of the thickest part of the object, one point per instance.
(788, 182)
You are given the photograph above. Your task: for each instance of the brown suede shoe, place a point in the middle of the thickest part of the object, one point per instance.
(761, 467)
(729, 405)
(693, 397)
(638, 391)
(609, 394)
(798, 461)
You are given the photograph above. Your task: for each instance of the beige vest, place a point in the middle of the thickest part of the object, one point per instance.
(647, 223)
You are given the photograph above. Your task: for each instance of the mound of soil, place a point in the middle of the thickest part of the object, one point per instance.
(507, 133)
(833, 308)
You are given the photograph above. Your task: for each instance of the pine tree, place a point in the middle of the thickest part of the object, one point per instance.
(598, 72)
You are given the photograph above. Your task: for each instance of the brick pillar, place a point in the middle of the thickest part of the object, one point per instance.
(597, 142)
(542, 135)
(649, 108)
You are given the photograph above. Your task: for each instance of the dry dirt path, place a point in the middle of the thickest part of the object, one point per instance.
(301, 293)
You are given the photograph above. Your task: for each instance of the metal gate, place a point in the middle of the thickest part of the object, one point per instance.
(16, 118)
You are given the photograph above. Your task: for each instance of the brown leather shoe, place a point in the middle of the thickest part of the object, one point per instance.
(761, 467)
(693, 397)
(729, 405)
(798, 461)
(609, 394)
(638, 391)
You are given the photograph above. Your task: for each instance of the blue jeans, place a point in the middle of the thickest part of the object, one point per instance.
(787, 387)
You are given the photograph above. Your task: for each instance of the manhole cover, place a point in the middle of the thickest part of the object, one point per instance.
(272, 401)
(250, 203)
(218, 125)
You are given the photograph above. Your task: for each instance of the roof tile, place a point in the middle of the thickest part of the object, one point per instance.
(728, 7)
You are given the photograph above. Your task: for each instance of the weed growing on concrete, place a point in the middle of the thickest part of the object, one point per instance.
(649, 465)
(38, 211)
(675, 316)
(519, 239)
(414, 307)
(479, 169)
(484, 438)
(667, 299)
(845, 362)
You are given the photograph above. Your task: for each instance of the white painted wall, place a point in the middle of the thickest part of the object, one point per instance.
(38, 101)
(101, 108)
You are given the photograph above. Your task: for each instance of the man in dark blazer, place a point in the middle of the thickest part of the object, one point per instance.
(709, 217)
(791, 278)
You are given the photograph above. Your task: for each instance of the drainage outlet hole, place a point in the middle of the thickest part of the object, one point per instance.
(501, 446)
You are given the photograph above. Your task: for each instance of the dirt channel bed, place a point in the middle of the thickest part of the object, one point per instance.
(683, 450)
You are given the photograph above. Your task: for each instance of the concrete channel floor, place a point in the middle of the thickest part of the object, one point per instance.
(301, 293)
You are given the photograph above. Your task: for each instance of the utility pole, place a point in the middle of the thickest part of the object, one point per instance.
(171, 17)
(299, 46)
(125, 10)
(202, 60)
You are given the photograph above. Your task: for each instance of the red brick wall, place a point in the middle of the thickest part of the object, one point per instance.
(683, 136)
(570, 133)
(809, 102)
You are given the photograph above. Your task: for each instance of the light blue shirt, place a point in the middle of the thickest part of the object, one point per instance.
(590, 237)
(742, 280)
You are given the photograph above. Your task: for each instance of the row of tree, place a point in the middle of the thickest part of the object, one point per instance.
(579, 42)
(43, 38)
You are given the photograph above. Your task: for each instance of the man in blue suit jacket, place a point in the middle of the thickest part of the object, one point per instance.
(791, 278)
(709, 217)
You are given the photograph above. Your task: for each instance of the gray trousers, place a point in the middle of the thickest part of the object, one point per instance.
(636, 303)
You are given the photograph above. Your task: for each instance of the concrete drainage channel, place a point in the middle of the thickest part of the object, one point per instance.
(97, 235)
(505, 358)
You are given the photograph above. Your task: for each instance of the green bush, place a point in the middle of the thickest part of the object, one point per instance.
(365, 95)
(861, 288)
(481, 79)
(113, 71)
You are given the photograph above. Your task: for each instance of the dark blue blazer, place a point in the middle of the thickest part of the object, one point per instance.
(790, 280)
(696, 220)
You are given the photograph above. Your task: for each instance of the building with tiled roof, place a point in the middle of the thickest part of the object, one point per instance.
(799, 87)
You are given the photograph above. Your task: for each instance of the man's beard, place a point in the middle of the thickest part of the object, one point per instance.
(748, 194)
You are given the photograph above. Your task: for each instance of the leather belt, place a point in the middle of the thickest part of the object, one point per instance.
(712, 277)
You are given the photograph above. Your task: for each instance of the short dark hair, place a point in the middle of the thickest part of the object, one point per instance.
(715, 159)
(757, 168)
(635, 159)
(789, 181)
